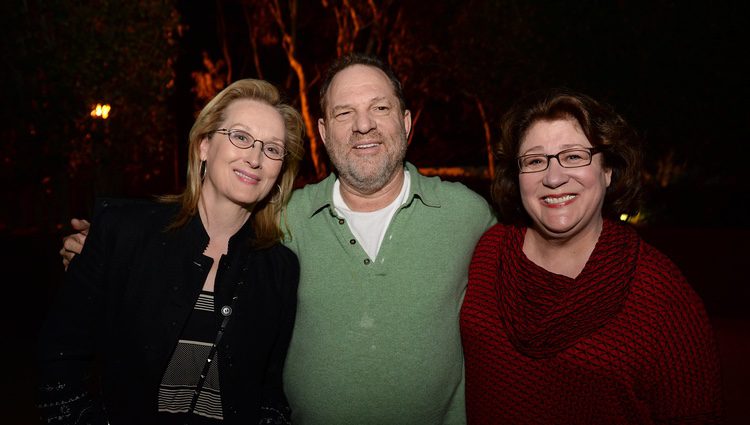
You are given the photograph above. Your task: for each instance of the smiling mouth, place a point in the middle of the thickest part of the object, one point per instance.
(366, 146)
(248, 177)
(553, 200)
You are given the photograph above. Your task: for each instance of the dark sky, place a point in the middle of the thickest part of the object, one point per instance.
(676, 70)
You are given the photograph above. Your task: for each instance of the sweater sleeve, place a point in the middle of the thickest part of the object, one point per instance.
(688, 388)
(274, 407)
(67, 340)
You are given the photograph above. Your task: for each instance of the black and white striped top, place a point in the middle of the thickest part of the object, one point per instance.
(181, 376)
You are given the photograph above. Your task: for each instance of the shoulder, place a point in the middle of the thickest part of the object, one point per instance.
(489, 245)
(279, 265)
(658, 269)
(120, 231)
(300, 197)
(662, 285)
(279, 258)
(281, 254)
(493, 236)
(453, 205)
(448, 191)
(453, 199)
(136, 215)
(310, 196)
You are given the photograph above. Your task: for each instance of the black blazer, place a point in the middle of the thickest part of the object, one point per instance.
(127, 296)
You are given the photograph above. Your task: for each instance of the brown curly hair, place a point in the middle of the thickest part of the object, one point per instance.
(604, 128)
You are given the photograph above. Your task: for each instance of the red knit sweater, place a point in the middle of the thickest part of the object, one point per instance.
(627, 341)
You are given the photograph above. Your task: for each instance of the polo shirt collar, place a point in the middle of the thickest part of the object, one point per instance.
(322, 193)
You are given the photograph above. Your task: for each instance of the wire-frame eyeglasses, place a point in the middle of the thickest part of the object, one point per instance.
(244, 140)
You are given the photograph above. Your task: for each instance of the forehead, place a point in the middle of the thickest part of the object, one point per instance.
(260, 119)
(359, 83)
(560, 132)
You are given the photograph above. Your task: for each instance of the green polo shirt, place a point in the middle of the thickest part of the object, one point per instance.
(377, 342)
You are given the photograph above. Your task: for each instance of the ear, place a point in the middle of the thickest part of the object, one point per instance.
(322, 130)
(407, 122)
(204, 145)
(608, 176)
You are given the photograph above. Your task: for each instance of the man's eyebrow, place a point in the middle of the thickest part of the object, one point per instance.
(381, 99)
(340, 107)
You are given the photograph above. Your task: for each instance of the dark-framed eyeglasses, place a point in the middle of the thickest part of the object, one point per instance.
(244, 140)
(569, 158)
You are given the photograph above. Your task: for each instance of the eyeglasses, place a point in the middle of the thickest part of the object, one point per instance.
(244, 140)
(569, 158)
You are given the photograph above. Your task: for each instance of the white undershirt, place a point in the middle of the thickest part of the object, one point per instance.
(369, 227)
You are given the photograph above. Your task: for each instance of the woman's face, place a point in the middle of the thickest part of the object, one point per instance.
(243, 176)
(562, 202)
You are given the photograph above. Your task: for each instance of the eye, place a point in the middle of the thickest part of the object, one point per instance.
(381, 109)
(533, 161)
(240, 136)
(574, 157)
(274, 149)
(342, 115)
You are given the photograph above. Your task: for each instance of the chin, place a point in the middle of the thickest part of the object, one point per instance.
(556, 229)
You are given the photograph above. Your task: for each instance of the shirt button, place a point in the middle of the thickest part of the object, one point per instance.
(226, 310)
(367, 261)
(352, 241)
(341, 221)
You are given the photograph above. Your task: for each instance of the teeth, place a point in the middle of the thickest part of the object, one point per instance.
(244, 176)
(558, 200)
(369, 145)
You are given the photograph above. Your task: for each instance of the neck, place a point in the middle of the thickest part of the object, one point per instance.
(221, 218)
(361, 201)
(565, 256)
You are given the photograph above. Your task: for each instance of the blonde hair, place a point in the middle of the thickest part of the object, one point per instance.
(266, 213)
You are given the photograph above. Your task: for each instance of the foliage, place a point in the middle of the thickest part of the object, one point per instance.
(66, 58)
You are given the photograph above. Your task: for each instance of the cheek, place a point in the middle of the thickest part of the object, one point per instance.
(527, 184)
(338, 130)
(218, 150)
(275, 171)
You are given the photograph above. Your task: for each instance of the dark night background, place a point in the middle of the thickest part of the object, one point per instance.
(677, 71)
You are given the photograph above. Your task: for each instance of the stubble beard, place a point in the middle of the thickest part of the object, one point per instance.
(369, 174)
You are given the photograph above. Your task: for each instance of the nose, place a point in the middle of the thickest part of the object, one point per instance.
(255, 155)
(554, 175)
(363, 122)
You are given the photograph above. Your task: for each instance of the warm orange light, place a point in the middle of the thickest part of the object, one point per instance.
(101, 111)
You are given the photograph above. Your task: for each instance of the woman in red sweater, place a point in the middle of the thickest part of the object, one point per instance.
(570, 317)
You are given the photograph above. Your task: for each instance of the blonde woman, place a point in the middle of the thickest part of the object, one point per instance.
(186, 305)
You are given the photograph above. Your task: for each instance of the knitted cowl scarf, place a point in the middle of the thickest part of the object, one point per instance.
(545, 313)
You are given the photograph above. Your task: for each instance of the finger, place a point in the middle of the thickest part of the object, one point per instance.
(65, 259)
(80, 225)
(72, 244)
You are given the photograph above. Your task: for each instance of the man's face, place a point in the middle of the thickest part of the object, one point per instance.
(364, 129)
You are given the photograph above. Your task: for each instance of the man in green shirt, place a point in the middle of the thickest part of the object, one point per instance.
(384, 255)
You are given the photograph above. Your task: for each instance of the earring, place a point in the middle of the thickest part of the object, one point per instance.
(277, 196)
(203, 170)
